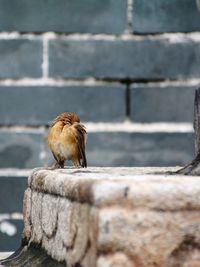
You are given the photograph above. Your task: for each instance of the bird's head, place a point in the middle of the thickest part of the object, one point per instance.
(66, 118)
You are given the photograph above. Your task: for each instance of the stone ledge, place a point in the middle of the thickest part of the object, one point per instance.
(133, 187)
(123, 217)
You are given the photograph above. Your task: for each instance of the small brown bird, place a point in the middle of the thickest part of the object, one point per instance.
(67, 140)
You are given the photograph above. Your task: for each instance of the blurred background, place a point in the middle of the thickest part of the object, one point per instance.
(128, 68)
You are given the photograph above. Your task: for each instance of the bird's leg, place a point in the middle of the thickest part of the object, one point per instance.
(61, 164)
(58, 165)
(54, 166)
(76, 163)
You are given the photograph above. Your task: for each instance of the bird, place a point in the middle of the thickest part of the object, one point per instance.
(67, 140)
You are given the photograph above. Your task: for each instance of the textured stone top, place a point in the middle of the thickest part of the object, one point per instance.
(150, 188)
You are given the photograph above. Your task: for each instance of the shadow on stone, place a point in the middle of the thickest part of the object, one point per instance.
(185, 253)
(31, 256)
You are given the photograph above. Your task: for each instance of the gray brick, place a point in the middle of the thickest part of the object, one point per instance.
(157, 104)
(135, 59)
(94, 16)
(12, 193)
(39, 105)
(20, 58)
(113, 149)
(21, 150)
(11, 242)
(165, 16)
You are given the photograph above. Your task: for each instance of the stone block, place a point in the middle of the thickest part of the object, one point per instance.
(165, 16)
(20, 58)
(40, 105)
(10, 234)
(90, 16)
(21, 149)
(11, 193)
(138, 216)
(138, 59)
(139, 149)
(162, 104)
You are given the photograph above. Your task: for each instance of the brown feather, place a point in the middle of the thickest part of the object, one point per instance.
(67, 139)
(66, 118)
(81, 140)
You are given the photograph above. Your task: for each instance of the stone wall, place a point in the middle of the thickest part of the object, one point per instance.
(117, 63)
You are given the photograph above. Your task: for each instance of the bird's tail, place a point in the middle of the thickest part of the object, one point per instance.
(81, 141)
(84, 160)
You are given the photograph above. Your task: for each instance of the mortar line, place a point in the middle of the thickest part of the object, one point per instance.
(14, 172)
(130, 16)
(23, 128)
(132, 127)
(96, 82)
(45, 64)
(128, 101)
(13, 215)
(125, 126)
(178, 36)
(46, 81)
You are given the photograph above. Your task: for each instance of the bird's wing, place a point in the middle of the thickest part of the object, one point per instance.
(81, 134)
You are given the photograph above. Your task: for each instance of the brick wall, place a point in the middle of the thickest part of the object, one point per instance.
(128, 69)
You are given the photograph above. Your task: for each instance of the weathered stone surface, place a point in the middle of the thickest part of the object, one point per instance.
(142, 58)
(26, 234)
(68, 234)
(158, 104)
(40, 105)
(15, 186)
(131, 217)
(165, 16)
(20, 58)
(115, 259)
(93, 16)
(21, 149)
(125, 186)
(150, 237)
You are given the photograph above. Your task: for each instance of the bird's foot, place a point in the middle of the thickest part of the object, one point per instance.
(57, 166)
(77, 166)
